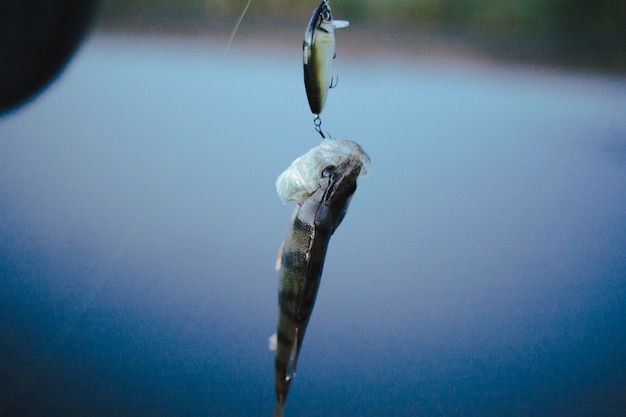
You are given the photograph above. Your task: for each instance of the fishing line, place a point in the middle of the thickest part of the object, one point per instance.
(232, 35)
(31, 374)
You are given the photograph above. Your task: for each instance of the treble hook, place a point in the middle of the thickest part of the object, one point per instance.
(334, 80)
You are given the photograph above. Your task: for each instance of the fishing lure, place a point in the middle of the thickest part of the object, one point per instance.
(318, 53)
(322, 181)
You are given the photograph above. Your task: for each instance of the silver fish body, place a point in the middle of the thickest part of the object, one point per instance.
(319, 52)
(315, 219)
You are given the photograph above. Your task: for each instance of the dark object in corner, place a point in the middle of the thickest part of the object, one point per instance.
(37, 38)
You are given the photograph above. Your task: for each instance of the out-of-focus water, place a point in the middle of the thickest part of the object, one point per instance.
(480, 271)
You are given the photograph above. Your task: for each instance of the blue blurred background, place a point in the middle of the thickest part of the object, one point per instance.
(480, 271)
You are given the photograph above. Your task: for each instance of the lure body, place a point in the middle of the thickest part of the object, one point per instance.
(315, 219)
(319, 52)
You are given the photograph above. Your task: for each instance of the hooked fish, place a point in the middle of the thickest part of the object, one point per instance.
(319, 52)
(322, 182)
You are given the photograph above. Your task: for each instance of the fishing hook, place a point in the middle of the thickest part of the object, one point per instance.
(334, 80)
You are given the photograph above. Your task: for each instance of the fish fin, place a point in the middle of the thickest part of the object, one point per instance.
(279, 259)
(339, 24)
(272, 342)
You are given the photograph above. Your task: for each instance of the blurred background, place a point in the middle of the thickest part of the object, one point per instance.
(584, 33)
(480, 270)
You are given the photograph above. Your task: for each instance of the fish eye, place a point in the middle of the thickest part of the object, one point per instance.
(328, 170)
(326, 15)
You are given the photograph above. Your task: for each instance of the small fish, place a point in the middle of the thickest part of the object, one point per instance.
(322, 182)
(319, 52)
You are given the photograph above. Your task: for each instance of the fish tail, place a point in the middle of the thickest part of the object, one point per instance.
(282, 385)
(279, 409)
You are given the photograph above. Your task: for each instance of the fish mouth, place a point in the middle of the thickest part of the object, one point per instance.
(340, 181)
(328, 169)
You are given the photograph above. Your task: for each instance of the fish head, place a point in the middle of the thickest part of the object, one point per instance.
(326, 173)
(338, 182)
(324, 179)
(337, 185)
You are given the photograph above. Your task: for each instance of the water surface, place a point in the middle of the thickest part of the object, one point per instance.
(480, 271)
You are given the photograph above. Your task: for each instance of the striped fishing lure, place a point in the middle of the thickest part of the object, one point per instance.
(322, 182)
